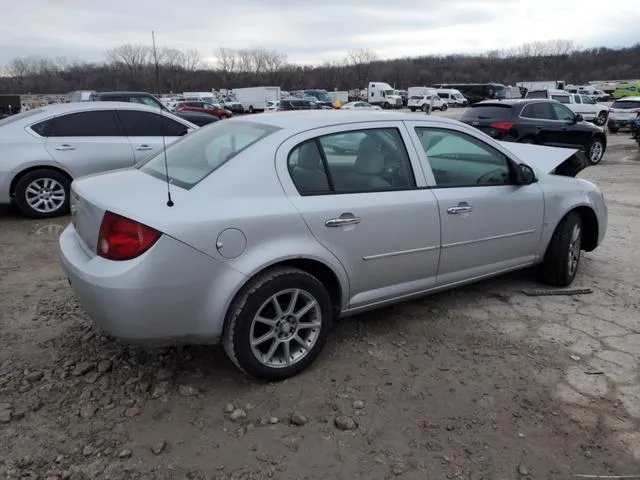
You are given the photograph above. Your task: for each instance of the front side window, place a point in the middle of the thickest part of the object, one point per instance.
(98, 123)
(460, 160)
(562, 113)
(195, 157)
(352, 162)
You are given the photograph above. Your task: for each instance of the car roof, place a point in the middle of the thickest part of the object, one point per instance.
(304, 120)
(511, 101)
(60, 108)
(632, 99)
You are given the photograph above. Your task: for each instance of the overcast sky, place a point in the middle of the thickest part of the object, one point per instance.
(309, 31)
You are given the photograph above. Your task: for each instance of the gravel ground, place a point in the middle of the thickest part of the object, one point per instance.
(479, 383)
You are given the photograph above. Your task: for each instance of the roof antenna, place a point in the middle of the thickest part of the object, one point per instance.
(164, 143)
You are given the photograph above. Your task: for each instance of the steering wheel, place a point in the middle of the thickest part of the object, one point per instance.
(488, 175)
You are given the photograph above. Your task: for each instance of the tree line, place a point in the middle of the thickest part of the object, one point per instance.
(139, 67)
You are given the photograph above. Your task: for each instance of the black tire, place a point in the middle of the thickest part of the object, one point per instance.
(251, 109)
(413, 109)
(613, 129)
(386, 106)
(444, 107)
(555, 269)
(596, 145)
(425, 108)
(42, 174)
(601, 119)
(236, 337)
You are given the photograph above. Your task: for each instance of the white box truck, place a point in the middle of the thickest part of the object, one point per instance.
(254, 99)
(383, 94)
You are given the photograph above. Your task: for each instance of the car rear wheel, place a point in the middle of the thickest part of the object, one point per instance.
(562, 257)
(601, 119)
(613, 129)
(444, 107)
(278, 325)
(413, 109)
(43, 193)
(595, 151)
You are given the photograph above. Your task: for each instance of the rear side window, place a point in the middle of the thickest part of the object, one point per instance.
(561, 98)
(195, 157)
(540, 111)
(99, 123)
(488, 112)
(626, 104)
(359, 161)
(148, 124)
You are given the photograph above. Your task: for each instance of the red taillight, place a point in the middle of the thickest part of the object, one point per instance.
(121, 238)
(506, 126)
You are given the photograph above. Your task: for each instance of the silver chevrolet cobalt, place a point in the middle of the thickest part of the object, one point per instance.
(259, 232)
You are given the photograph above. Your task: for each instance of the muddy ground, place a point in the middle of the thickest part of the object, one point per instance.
(482, 382)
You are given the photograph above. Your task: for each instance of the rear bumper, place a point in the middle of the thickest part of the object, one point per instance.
(620, 123)
(171, 294)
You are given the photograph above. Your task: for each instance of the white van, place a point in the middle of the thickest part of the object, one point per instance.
(200, 97)
(452, 97)
(420, 98)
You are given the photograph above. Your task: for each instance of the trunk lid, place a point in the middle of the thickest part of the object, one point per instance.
(558, 161)
(137, 195)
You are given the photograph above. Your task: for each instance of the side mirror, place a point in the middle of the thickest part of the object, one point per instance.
(578, 118)
(525, 174)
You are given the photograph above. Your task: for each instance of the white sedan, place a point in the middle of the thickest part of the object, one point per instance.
(359, 106)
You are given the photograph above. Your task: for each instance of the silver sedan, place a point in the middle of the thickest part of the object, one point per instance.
(44, 149)
(258, 232)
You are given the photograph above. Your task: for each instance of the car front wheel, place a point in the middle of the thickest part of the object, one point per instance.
(562, 257)
(43, 193)
(601, 119)
(278, 324)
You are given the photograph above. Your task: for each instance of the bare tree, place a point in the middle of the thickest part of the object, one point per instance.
(133, 57)
(192, 60)
(361, 59)
(226, 59)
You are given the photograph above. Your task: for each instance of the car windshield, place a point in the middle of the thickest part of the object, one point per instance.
(200, 153)
(626, 104)
(20, 116)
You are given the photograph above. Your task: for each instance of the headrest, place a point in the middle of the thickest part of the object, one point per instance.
(309, 156)
(370, 163)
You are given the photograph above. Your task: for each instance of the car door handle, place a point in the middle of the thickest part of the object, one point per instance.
(65, 147)
(462, 208)
(538, 127)
(343, 220)
(144, 147)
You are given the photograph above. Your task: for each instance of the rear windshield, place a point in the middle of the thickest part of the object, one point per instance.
(486, 112)
(561, 98)
(626, 104)
(191, 159)
(537, 94)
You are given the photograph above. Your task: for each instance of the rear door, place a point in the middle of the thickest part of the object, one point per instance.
(366, 206)
(88, 142)
(541, 124)
(149, 131)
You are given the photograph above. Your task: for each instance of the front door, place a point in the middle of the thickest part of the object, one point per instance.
(89, 142)
(149, 132)
(570, 135)
(488, 224)
(357, 189)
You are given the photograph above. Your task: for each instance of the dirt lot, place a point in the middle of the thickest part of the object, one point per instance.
(479, 383)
